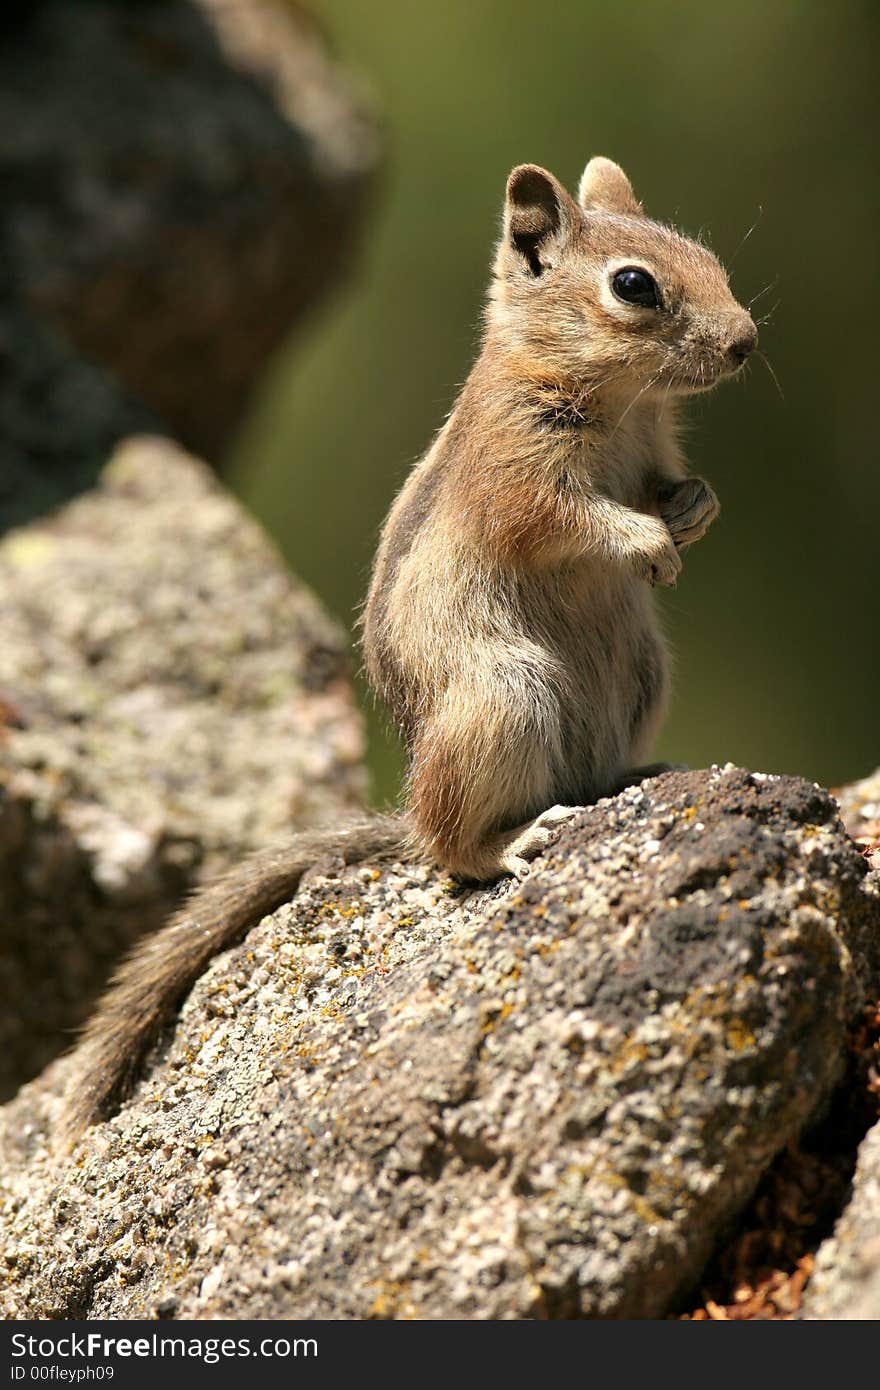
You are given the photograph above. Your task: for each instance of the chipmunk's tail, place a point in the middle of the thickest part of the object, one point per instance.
(149, 986)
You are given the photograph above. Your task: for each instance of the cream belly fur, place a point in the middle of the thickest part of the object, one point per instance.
(556, 682)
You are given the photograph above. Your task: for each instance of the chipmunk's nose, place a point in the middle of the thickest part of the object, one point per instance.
(744, 340)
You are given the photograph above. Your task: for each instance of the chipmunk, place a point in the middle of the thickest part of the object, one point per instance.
(510, 624)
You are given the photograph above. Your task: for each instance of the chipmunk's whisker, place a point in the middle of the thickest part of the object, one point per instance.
(748, 234)
(769, 314)
(766, 360)
(647, 386)
(771, 285)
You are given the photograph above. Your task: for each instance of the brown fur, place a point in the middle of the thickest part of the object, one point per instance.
(509, 626)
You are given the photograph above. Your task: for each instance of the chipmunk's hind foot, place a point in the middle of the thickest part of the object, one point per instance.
(527, 841)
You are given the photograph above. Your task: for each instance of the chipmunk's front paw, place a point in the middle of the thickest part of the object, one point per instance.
(662, 564)
(688, 508)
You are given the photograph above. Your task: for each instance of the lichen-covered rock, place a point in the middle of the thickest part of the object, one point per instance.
(181, 182)
(400, 1099)
(169, 699)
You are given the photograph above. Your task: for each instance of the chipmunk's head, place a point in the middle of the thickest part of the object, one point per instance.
(593, 292)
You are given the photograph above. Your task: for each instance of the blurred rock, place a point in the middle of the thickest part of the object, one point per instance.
(400, 1099)
(181, 182)
(860, 811)
(169, 699)
(846, 1281)
(59, 419)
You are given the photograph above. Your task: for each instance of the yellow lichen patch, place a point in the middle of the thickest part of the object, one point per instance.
(705, 1004)
(738, 1036)
(545, 948)
(630, 1051)
(607, 1177)
(583, 1172)
(338, 910)
(644, 1211)
(392, 1301)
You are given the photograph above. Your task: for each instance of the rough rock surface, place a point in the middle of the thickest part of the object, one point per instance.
(181, 181)
(846, 1282)
(169, 699)
(396, 1098)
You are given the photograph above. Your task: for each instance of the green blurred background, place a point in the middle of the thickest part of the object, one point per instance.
(760, 113)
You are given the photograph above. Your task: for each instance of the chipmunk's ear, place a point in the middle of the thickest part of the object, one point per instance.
(604, 187)
(538, 217)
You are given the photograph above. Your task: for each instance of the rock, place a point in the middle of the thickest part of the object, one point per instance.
(846, 1281)
(169, 699)
(181, 182)
(860, 812)
(400, 1099)
(59, 419)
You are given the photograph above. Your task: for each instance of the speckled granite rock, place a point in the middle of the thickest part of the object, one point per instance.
(169, 698)
(399, 1099)
(181, 183)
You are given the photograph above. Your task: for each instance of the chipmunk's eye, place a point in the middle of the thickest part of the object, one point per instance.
(636, 286)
